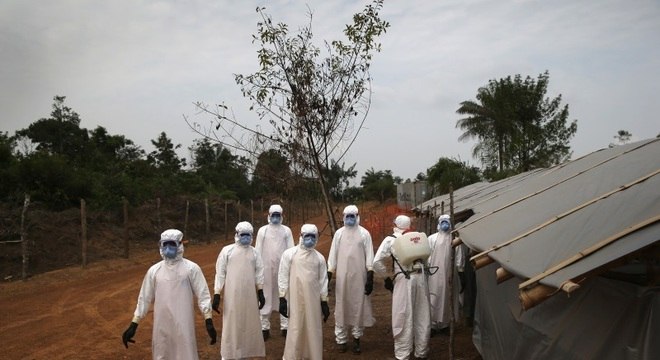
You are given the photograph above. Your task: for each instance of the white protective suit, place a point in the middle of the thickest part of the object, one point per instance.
(411, 315)
(441, 258)
(351, 256)
(171, 284)
(272, 240)
(240, 272)
(303, 278)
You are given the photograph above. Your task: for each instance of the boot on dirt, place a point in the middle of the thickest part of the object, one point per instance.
(356, 346)
(266, 334)
(341, 348)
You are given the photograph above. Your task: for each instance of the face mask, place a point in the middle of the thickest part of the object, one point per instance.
(169, 251)
(350, 220)
(275, 219)
(309, 241)
(245, 239)
(444, 226)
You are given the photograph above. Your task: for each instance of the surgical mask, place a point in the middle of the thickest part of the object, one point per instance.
(276, 219)
(245, 239)
(309, 240)
(350, 220)
(169, 251)
(444, 226)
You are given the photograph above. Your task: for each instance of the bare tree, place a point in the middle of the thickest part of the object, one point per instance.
(314, 106)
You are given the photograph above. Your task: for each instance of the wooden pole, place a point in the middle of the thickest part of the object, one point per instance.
(240, 216)
(226, 222)
(83, 225)
(185, 219)
(24, 245)
(208, 222)
(160, 228)
(252, 212)
(126, 239)
(450, 280)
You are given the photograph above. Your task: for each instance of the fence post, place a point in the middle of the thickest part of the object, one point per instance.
(185, 219)
(24, 247)
(240, 216)
(226, 227)
(208, 223)
(252, 212)
(83, 224)
(126, 239)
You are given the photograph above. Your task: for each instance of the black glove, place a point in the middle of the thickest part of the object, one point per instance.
(127, 336)
(329, 279)
(389, 284)
(283, 309)
(216, 303)
(260, 298)
(211, 330)
(369, 286)
(325, 309)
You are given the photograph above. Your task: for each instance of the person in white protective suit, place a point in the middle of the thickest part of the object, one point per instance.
(239, 271)
(171, 284)
(411, 317)
(350, 259)
(438, 284)
(303, 277)
(272, 239)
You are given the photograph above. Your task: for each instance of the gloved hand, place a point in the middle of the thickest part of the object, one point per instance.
(369, 286)
(325, 309)
(389, 284)
(127, 336)
(211, 330)
(283, 309)
(216, 303)
(260, 298)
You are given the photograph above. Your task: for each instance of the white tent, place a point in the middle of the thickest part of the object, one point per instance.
(576, 250)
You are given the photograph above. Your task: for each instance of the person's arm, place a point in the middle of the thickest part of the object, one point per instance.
(200, 288)
(368, 249)
(323, 276)
(383, 253)
(147, 292)
(259, 270)
(221, 270)
(289, 238)
(283, 273)
(332, 255)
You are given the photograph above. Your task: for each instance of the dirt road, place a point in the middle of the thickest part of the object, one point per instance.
(80, 314)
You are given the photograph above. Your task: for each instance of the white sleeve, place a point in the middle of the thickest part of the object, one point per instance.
(368, 249)
(289, 238)
(200, 289)
(221, 270)
(259, 243)
(283, 273)
(332, 255)
(259, 270)
(147, 292)
(459, 259)
(384, 252)
(323, 277)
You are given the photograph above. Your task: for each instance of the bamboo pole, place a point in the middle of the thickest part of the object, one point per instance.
(226, 222)
(185, 219)
(535, 295)
(478, 263)
(457, 241)
(251, 211)
(566, 213)
(450, 280)
(502, 275)
(24, 241)
(83, 236)
(590, 250)
(207, 222)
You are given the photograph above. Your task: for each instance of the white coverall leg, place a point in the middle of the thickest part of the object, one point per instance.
(411, 317)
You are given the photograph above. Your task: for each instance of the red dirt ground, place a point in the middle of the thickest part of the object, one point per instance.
(80, 314)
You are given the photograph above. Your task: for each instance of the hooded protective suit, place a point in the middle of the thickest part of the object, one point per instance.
(438, 283)
(411, 317)
(240, 272)
(303, 277)
(351, 257)
(272, 239)
(171, 284)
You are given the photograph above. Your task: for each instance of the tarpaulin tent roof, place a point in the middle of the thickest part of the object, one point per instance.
(555, 225)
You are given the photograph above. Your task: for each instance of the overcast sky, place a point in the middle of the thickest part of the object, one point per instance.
(137, 67)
